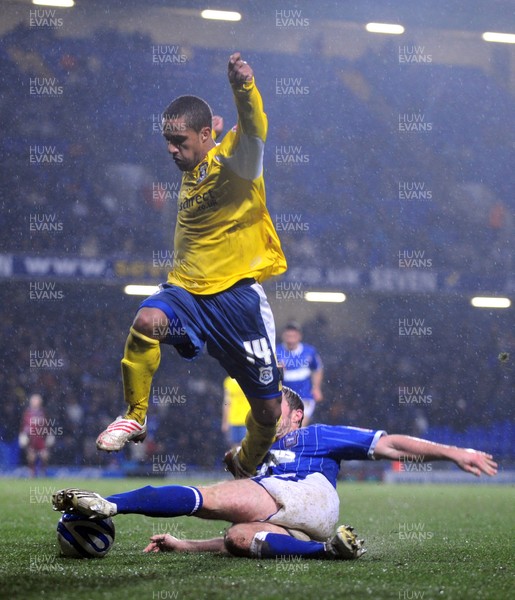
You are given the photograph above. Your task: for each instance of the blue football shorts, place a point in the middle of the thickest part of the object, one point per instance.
(236, 325)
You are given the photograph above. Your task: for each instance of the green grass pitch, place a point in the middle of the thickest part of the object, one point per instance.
(425, 542)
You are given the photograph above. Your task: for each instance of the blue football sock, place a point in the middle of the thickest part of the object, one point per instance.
(274, 545)
(166, 501)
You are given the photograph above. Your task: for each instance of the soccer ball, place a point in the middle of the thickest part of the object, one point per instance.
(80, 537)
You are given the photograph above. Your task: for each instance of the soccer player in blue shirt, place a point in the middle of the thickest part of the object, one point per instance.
(291, 507)
(303, 368)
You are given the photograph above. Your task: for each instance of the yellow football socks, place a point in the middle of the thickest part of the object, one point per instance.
(256, 443)
(140, 362)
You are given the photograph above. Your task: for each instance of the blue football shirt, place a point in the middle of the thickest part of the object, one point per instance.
(319, 449)
(299, 364)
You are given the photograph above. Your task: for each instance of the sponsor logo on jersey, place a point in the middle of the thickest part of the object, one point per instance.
(200, 201)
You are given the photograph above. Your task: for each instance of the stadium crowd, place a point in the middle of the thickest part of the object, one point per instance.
(336, 151)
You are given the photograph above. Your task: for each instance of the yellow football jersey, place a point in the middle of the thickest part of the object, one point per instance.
(238, 404)
(224, 232)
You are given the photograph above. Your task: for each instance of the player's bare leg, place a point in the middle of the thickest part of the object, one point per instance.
(238, 538)
(239, 501)
(31, 461)
(235, 501)
(140, 361)
(43, 456)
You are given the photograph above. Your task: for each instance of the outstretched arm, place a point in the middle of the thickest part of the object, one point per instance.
(395, 447)
(168, 543)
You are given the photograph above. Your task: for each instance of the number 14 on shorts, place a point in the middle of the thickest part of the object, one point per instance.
(258, 349)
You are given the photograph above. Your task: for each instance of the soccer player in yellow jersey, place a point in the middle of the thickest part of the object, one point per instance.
(234, 413)
(225, 245)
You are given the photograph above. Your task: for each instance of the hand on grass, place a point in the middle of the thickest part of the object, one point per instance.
(164, 542)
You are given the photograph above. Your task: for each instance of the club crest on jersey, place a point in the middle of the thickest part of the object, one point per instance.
(265, 375)
(291, 439)
(202, 172)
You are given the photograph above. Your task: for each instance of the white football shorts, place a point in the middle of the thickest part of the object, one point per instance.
(310, 507)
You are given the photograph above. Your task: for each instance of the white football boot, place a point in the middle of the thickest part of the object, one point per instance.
(89, 504)
(119, 433)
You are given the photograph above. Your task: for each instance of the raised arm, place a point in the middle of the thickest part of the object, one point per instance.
(395, 447)
(243, 150)
(251, 116)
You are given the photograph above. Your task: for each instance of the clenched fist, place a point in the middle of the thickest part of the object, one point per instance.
(239, 71)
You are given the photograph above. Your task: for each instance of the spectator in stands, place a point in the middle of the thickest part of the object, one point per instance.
(36, 435)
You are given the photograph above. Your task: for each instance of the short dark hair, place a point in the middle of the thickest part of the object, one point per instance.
(196, 112)
(294, 401)
(293, 326)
